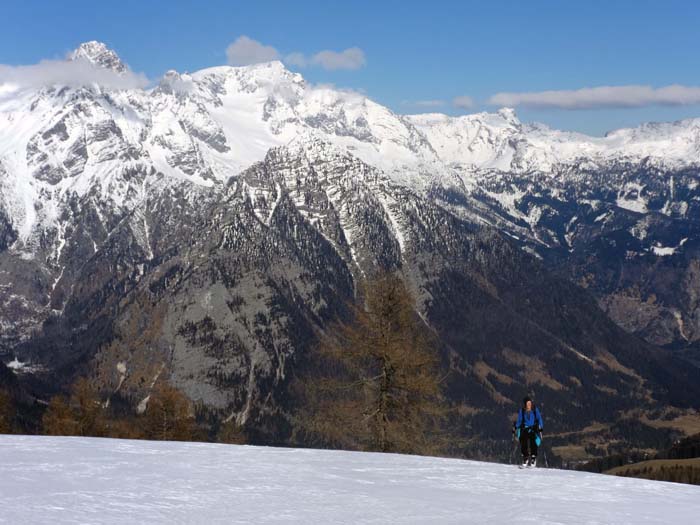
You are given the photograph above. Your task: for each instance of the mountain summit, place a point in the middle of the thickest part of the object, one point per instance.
(100, 55)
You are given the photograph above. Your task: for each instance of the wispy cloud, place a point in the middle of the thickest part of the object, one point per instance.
(245, 51)
(631, 96)
(296, 59)
(351, 58)
(463, 102)
(73, 73)
(435, 103)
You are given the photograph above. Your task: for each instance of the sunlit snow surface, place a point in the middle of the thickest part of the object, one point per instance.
(84, 480)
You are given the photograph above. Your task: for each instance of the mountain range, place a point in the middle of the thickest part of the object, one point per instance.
(207, 228)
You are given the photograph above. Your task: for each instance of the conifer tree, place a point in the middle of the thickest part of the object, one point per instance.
(169, 415)
(379, 385)
(59, 419)
(7, 413)
(87, 407)
(230, 432)
(79, 415)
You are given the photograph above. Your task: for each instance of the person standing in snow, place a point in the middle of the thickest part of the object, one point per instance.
(528, 429)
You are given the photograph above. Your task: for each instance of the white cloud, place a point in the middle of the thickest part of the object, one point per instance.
(435, 103)
(351, 58)
(245, 51)
(601, 97)
(463, 102)
(347, 94)
(296, 59)
(68, 73)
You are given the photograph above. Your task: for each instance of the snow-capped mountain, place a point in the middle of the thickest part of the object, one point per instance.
(499, 141)
(205, 229)
(204, 128)
(210, 125)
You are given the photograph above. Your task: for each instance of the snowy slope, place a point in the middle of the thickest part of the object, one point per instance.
(83, 480)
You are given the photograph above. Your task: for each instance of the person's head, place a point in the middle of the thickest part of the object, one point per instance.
(527, 403)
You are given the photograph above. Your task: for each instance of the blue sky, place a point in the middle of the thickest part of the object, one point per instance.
(411, 56)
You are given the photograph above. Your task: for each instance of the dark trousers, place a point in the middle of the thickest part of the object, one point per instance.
(527, 442)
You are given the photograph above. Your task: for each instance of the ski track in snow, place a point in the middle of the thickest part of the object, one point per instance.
(89, 480)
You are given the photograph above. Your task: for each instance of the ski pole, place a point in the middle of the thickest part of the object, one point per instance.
(512, 451)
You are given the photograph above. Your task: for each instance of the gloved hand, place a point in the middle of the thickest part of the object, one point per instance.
(517, 433)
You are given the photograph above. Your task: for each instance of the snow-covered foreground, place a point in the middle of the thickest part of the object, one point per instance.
(83, 480)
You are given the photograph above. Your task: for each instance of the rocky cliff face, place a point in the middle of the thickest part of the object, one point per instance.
(207, 229)
(625, 233)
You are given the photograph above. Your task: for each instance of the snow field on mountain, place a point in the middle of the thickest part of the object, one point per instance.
(89, 480)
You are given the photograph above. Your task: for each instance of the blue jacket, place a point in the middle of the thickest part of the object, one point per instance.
(530, 419)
